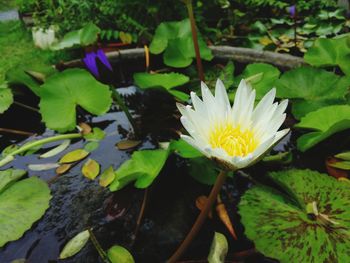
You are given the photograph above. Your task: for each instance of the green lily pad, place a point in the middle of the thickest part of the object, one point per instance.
(143, 167)
(330, 52)
(6, 98)
(21, 205)
(185, 150)
(175, 38)
(167, 81)
(308, 224)
(10, 176)
(311, 88)
(63, 92)
(323, 123)
(118, 254)
(269, 74)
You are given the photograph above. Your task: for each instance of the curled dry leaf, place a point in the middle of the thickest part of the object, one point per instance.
(200, 204)
(63, 168)
(85, 128)
(127, 144)
(90, 169)
(334, 171)
(56, 150)
(224, 217)
(74, 156)
(75, 245)
(107, 177)
(218, 249)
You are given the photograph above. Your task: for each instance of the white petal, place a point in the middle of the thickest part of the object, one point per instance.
(264, 104)
(241, 162)
(280, 135)
(195, 144)
(221, 96)
(262, 148)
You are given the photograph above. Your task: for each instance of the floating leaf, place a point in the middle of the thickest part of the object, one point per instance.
(9, 176)
(344, 156)
(21, 205)
(6, 98)
(7, 159)
(63, 168)
(175, 38)
(42, 166)
(107, 177)
(127, 144)
(218, 249)
(330, 52)
(85, 128)
(118, 254)
(185, 150)
(143, 167)
(268, 74)
(167, 81)
(91, 169)
(56, 150)
(344, 165)
(311, 88)
(74, 156)
(63, 92)
(91, 146)
(281, 227)
(96, 135)
(324, 122)
(75, 245)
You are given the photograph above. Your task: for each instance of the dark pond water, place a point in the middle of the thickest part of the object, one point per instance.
(170, 212)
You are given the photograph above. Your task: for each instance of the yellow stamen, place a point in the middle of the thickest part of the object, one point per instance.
(234, 141)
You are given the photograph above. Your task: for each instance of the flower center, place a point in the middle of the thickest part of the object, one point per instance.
(234, 141)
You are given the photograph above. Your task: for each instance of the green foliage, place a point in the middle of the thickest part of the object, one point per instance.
(175, 39)
(323, 123)
(118, 254)
(62, 93)
(310, 88)
(330, 52)
(6, 98)
(283, 226)
(183, 149)
(203, 170)
(265, 77)
(168, 81)
(143, 167)
(218, 249)
(75, 244)
(22, 204)
(9, 176)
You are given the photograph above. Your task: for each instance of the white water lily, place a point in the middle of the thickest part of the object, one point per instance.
(235, 136)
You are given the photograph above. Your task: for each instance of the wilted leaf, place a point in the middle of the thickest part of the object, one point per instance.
(74, 156)
(56, 150)
(127, 144)
(63, 168)
(201, 201)
(91, 169)
(143, 167)
(218, 249)
(63, 92)
(21, 205)
(324, 122)
(118, 254)
(75, 245)
(281, 227)
(10, 176)
(224, 217)
(42, 166)
(335, 172)
(107, 177)
(126, 38)
(85, 128)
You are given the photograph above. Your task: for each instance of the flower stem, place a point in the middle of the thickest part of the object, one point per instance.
(201, 218)
(188, 4)
(119, 100)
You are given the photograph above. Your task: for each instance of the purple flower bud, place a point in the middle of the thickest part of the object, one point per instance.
(90, 62)
(292, 10)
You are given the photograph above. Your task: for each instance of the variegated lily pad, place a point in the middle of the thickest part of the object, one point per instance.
(309, 222)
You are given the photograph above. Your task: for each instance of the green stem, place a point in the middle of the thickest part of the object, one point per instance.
(201, 218)
(30, 145)
(98, 247)
(195, 39)
(119, 100)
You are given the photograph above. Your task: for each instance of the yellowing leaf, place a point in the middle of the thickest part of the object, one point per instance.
(75, 245)
(126, 38)
(107, 177)
(127, 144)
(63, 168)
(74, 156)
(91, 169)
(218, 249)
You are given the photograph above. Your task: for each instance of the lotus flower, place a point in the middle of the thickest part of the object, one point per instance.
(236, 136)
(91, 64)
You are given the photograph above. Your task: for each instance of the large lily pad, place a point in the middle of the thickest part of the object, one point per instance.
(284, 227)
(6, 98)
(21, 205)
(311, 88)
(167, 81)
(143, 167)
(323, 123)
(175, 38)
(330, 52)
(63, 92)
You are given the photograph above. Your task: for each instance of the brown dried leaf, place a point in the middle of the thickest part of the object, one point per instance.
(127, 144)
(224, 217)
(333, 171)
(85, 128)
(200, 204)
(63, 168)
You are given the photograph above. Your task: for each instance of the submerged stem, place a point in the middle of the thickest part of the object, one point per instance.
(119, 100)
(201, 218)
(195, 39)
